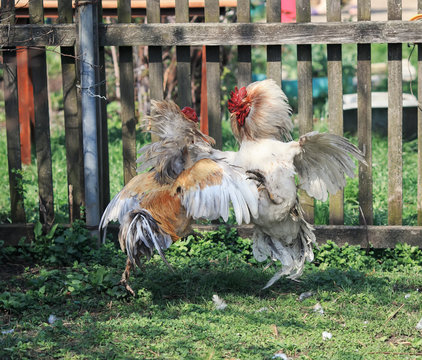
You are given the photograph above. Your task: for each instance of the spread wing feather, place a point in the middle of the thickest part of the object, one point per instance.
(127, 200)
(323, 161)
(207, 189)
(117, 209)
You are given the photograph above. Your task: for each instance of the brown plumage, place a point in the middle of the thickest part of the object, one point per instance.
(185, 180)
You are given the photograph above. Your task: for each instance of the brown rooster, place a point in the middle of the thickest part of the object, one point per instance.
(186, 179)
(260, 120)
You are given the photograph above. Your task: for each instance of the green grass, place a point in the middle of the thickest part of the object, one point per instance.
(371, 305)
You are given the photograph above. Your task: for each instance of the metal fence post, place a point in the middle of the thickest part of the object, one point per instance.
(89, 89)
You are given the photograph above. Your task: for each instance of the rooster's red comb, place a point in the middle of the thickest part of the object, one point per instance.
(238, 106)
(190, 113)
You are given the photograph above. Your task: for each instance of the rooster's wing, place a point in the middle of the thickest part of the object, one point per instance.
(208, 187)
(322, 162)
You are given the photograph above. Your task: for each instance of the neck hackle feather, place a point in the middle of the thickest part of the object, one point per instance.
(176, 130)
(260, 111)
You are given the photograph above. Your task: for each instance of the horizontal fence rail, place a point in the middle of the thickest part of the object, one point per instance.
(378, 237)
(213, 34)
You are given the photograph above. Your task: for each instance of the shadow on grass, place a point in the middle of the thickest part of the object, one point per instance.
(174, 312)
(193, 283)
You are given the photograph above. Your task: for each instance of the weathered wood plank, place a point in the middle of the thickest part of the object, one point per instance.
(197, 34)
(335, 105)
(12, 234)
(274, 51)
(365, 119)
(377, 236)
(184, 95)
(394, 9)
(213, 78)
(155, 58)
(42, 122)
(12, 120)
(419, 199)
(155, 54)
(184, 76)
(305, 106)
(72, 119)
(244, 58)
(395, 116)
(127, 99)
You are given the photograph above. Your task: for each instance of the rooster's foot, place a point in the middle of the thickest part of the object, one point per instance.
(127, 287)
(125, 277)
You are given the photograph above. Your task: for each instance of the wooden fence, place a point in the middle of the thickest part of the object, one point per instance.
(212, 33)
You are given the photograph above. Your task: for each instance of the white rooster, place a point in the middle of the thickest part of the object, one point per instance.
(260, 120)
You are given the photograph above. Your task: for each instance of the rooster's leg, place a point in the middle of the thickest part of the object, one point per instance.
(262, 184)
(125, 277)
(257, 176)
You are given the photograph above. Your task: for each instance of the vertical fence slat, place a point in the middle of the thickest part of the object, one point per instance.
(26, 103)
(127, 98)
(212, 12)
(364, 91)
(305, 109)
(244, 59)
(102, 133)
(155, 58)
(155, 54)
(42, 121)
(419, 200)
(274, 51)
(72, 120)
(12, 120)
(395, 111)
(335, 105)
(184, 95)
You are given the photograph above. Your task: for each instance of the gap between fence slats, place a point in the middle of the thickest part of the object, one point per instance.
(72, 120)
(127, 98)
(42, 122)
(274, 51)
(244, 58)
(12, 121)
(304, 88)
(335, 105)
(419, 199)
(213, 78)
(364, 114)
(184, 91)
(395, 116)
